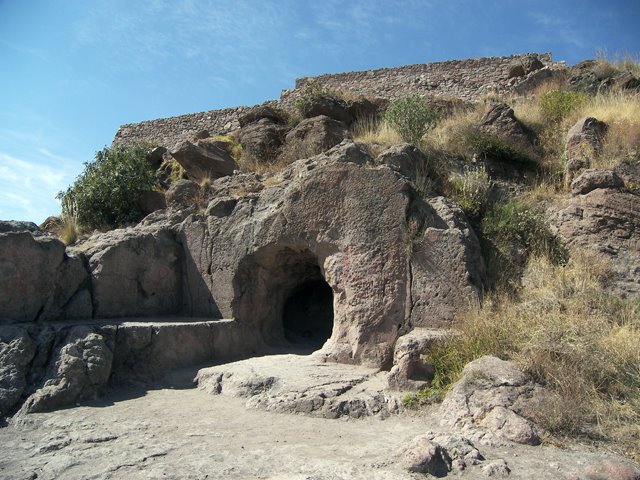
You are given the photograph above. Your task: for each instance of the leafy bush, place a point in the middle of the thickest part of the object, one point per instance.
(412, 117)
(492, 147)
(511, 232)
(556, 105)
(106, 194)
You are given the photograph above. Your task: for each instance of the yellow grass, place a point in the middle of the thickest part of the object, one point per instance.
(572, 336)
(374, 132)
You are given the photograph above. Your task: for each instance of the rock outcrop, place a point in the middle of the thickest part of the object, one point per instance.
(489, 399)
(582, 143)
(206, 158)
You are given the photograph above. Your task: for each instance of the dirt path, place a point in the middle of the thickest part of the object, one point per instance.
(189, 434)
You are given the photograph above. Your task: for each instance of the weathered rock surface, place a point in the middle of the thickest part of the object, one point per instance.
(38, 280)
(424, 456)
(583, 141)
(315, 135)
(607, 221)
(262, 139)
(591, 179)
(410, 370)
(17, 349)
(135, 273)
(81, 369)
(206, 158)
(302, 384)
(259, 112)
(11, 226)
(611, 470)
(183, 194)
(340, 219)
(500, 120)
(327, 105)
(490, 395)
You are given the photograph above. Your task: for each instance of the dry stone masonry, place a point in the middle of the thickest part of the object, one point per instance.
(468, 80)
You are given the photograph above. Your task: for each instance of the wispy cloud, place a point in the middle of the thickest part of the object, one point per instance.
(28, 187)
(555, 26)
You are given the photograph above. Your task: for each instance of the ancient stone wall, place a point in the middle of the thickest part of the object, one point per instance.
(465, 79)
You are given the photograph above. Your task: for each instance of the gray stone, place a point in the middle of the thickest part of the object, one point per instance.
(151, 201)
(183, 194)
(37, 278)
(261, 140)
(7, 226)
(17, 349)
(489, 395)
(221, 207)
(591, 179)
(329, 106)
(422, 455)
(135, 273)
(500, 120)
(313, 136)
(497, 468)
(81, 369)
(204, 159)
(259, 112)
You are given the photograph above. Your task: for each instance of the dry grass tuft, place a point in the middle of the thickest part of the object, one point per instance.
(570, 335)
(69, 230)
(372, 131)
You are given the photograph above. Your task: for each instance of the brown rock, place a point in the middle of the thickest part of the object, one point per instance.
(151, 201)
(254, 114)
(315, 135)
(591, 179)
(582, 144)
(329, 106)
(262, 139)
(204, 159)
(183, 194)
(606, 221)
(422, 455)
(611, 470)
(500, 120)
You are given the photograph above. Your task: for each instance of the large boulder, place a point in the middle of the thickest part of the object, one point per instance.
(607, 221)
(206, 158)
(259, 112)
(582, 143)
(17, 350)
(490, 396)
(327, 105)
(7, 226)
(135, 272)
(315, 135)
(261, 140)
(591, 179)
(389, 257)
(500, 120)
(38, 280)
(80, 370)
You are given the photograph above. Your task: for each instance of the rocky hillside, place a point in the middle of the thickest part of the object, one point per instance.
(393, 228)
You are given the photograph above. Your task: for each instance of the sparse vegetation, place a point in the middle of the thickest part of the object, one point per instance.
(557, 105)
(106, 194)
(471, 190)
(571, 335)
(411, 117)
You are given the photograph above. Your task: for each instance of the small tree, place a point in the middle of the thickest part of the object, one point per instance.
(106, 193)
(412, 117)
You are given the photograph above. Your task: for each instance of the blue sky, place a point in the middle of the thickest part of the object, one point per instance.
(74, 70)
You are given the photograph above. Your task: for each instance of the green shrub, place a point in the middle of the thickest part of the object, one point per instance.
(412, 117)
(556, 105)
(423, 397)
(492, 147)
(106, 194)
(511, 232)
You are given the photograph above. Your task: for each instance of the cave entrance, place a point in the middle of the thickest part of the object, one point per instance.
(307, 314)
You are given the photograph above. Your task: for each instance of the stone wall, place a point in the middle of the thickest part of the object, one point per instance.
(466, 79)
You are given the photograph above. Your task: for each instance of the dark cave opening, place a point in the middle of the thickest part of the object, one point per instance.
(307, 315)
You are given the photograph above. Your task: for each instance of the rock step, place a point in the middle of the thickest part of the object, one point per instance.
(303, 384)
